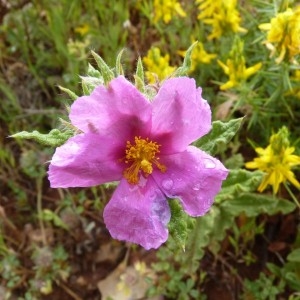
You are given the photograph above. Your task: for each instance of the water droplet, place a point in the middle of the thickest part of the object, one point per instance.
(209, 164)
(186, 122)
(167, 184)
(196, 187)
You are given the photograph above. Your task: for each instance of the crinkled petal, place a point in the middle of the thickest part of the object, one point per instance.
(192, 176)
(118, 110)
(86, 160)
(138, 214)
(180, 115)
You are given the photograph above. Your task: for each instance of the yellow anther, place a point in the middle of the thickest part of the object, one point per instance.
(141, 156)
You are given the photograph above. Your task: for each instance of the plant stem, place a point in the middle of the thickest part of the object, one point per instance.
(292, 195)
(40, 209)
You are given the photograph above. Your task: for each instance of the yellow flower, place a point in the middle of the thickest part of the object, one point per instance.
(157, 65)
(235, 67)
(222, 15)
(276, 161)
(166, 9)
(283, 35)
(199, 55)
(83, 29)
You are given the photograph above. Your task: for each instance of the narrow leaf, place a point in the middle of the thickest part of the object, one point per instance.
(119, 68)
(54, 138)
(187, 62)
(105, 70)
(71, 94)
(178, 223)
(139, 76)
(92, 72)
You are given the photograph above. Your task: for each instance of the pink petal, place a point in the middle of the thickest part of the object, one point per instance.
(118, 110)
(138, 214)
(86, 160)
(192, 176)
(180, 115)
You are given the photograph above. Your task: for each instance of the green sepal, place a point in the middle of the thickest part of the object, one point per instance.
(54, 138)
(187, 62)
(92, 72)
(139, 77)
(178, 225)
(71, 94)
(105, 70)
(119, 67)
(220, 134)
(89, 83)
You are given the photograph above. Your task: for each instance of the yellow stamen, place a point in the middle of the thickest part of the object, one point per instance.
(141, 156)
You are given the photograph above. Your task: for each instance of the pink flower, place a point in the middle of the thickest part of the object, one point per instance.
(144, 145)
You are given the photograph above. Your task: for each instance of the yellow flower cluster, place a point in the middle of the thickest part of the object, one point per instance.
(283, 35)
(235, 67)
(199, 56)
(276, 161)
(222, 15)
(166, 10)
(83, 29)
(158, 67)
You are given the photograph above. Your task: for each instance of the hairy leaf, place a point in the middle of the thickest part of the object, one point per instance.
(105, 70)
(178, 223)
(54, 138)
(254, 204)
(220, 134)
(237, 182)
(187, 62)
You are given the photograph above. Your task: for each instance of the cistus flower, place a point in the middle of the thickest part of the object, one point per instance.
(283, 34)
(166, 10)
(158, 66)
(144, 145)
(276, 161)
(235, 67)
(222, 15)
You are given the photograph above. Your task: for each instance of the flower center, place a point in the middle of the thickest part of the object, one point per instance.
(141, 156)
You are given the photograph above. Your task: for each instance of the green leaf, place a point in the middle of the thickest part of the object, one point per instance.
(178, 228)
(49, 215)
(71, 94)
(294, 256)
(139, 76)
(254, 204)
(105, 70)
(119, 68)
(237, 182)
(220, 134)
(89, 83)
(54, 138)
(92, 72)
(198, 238)
(187, 62)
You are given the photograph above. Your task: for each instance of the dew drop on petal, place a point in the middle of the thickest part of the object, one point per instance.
(209, 164)
(167, 184)
(186, 122)
(196, 187)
